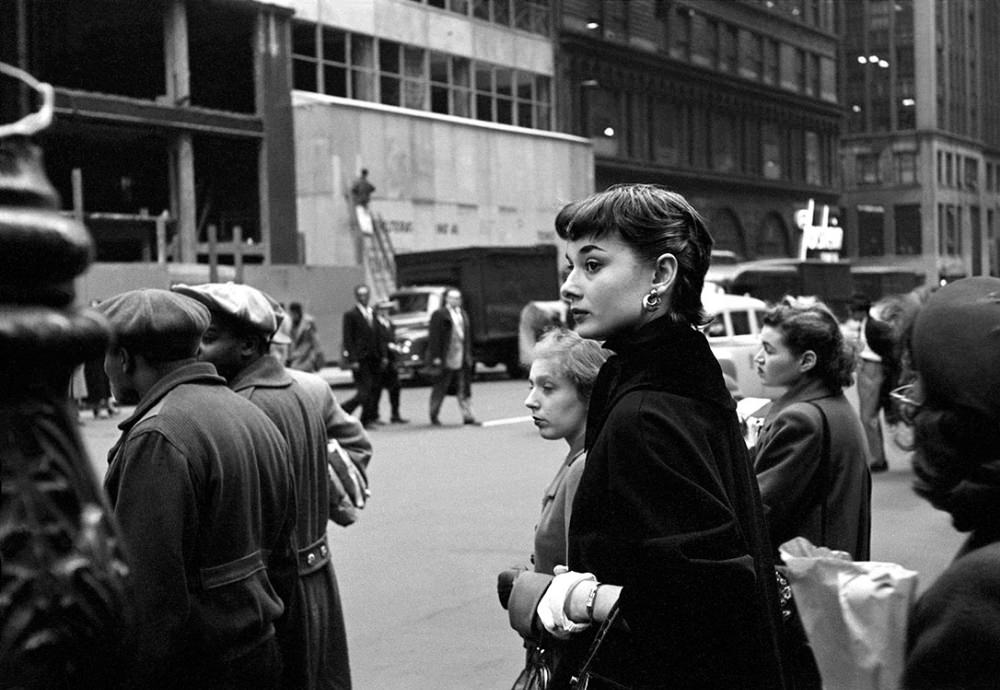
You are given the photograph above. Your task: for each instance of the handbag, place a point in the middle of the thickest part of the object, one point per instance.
(586, 674)
(537, 671)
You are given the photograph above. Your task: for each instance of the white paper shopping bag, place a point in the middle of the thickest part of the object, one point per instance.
(854, 614)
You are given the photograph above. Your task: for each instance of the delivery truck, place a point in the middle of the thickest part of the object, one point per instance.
(496, 284)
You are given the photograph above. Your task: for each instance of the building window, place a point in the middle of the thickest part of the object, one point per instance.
(814, 159)
(867, 169)
(680, 34)
(724, 140)
(906, 167)
(729, 49)
(971, 175)
(751, 55)
(870, 231)
(361, 67)
(526, 15)
(908, 229)
(815, 77)
(772, 61)
(770, 141)
(669, 128)
(950, 230)
(604, 121)
(704, 41)
(949, 170)
(989, 177)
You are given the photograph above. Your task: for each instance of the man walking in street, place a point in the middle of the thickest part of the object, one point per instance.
(313, 638)
(449, 346)
(389, 376)
(361, 352)
(873, 339)
(200, 483)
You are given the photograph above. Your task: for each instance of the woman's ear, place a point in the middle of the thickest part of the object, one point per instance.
(666, 272)
(807, 361)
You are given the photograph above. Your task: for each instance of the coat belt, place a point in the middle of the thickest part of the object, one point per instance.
(314, 556)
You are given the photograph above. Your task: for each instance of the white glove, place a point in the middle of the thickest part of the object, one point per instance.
(552, 606)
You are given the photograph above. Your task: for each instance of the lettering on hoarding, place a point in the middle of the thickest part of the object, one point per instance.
(446, 228)
(399, 226)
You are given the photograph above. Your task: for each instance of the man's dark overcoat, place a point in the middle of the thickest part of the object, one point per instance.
(313, 637)
(199, 482)
(668, 508)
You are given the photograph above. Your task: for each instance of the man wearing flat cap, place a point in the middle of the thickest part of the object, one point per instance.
(199, 481)
(313, 638)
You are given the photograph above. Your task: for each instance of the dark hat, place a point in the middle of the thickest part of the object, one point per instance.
(245, 304)
(956, 345)
(156, 322)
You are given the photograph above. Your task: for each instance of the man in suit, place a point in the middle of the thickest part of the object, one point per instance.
(362, 354)
(449, 346)
(389, 378)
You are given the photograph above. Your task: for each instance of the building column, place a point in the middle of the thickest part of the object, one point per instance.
(183, 200)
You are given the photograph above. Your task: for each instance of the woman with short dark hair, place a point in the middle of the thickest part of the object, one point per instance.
(667, 537)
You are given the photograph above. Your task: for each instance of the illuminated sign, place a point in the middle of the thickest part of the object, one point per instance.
(822, 240)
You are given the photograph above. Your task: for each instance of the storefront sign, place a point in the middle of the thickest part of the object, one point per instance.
(823, 240)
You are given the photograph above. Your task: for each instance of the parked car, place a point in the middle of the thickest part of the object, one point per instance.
(734, 335)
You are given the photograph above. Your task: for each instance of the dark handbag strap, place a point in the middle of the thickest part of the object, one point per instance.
(602, 632)
(824, 471)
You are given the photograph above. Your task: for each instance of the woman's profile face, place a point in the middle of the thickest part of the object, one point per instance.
(556, 408)
(775, 363)
(605, 286)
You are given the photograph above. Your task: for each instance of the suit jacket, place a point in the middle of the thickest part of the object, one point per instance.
(440, 336)
(386, 334)
(788, 463)
(360, 338)
(668, 507)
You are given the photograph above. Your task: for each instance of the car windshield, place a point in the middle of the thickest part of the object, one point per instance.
(411, 302)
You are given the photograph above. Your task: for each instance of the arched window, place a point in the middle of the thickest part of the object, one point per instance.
(772, 239)
(727, 231)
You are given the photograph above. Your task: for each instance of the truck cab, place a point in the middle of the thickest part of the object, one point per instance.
(411, 316)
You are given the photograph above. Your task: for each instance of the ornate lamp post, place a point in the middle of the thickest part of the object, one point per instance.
(63, 580)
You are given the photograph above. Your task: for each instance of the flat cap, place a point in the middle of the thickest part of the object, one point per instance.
(245, 304)
(956, 345)
(156, 321)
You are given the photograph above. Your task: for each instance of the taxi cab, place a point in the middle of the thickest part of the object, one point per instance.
(734, 335)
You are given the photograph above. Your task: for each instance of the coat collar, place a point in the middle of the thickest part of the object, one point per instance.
(195, 372)
(673, 357)
(662, 355)
(264, 372)
(805, 390)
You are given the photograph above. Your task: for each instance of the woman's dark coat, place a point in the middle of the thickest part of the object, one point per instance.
(828, 505)
(668, 508)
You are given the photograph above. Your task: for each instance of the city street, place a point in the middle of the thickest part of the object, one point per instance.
(453, 506)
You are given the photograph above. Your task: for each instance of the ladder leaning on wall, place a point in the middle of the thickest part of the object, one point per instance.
(378, 259)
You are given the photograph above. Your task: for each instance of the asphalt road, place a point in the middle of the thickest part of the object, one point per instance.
(452, 506)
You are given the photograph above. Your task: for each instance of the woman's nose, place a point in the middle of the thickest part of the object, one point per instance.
(568, 290)
(530, 401)
(759, 357)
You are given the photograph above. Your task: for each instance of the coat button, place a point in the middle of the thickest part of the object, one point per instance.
(322, 549)
(311, 558)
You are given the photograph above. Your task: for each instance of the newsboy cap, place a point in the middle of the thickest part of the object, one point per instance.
(155, 322)
(244, 304)
(956, 345)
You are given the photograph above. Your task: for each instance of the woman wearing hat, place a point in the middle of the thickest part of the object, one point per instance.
(954, 404)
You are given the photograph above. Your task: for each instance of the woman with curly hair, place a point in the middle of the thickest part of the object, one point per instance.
(811, 457)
